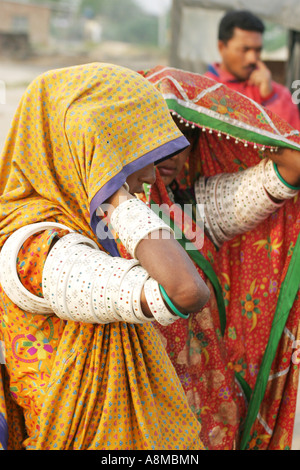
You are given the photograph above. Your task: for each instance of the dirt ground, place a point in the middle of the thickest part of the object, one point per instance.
(16, 75)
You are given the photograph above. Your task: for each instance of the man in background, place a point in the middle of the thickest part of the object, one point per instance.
(240, 43)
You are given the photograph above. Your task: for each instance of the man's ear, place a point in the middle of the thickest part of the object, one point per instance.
(221, 46)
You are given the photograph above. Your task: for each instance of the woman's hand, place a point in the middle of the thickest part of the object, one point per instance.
(288, 164)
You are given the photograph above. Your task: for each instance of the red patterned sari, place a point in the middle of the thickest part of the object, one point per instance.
(237, 359)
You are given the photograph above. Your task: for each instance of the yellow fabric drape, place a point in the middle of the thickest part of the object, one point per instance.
(77, 134)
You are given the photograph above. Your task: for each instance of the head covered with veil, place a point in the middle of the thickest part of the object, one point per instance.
(246, 334)
(77, 135)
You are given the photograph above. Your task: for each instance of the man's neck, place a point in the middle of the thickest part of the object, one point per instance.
(225, 74)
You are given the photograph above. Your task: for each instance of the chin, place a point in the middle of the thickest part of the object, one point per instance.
(166, 180)
(241, 76)
(245, 76)
(137, 190)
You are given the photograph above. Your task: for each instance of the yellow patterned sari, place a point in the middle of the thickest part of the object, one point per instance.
(78, 133)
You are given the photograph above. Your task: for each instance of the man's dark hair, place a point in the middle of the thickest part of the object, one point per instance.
(241, 19)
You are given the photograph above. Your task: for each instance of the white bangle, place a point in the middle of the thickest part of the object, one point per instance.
(130, 295)
(9, 278)
(136, 298)
(112, 292)
(200, 190)
(230, 187)
(83, 284)
(209, 228)
(156, 303)
(55, 261)
(212, 209)
(252, 203)
(133, 221)
(255, 203)
(75, 280)
(226, 222)
(100, 277)
(101, 305)
(59, 283)
(235, 203)
(79, 285)
(200, 196)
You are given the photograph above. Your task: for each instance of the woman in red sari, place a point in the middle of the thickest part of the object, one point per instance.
(237, 359)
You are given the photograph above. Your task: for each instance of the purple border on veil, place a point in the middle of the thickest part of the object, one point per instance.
(163, 152)
(3, 432)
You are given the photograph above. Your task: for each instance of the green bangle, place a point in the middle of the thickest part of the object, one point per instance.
(296, 188)
(171, 305)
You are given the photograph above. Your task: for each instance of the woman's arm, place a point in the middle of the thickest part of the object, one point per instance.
(236, 203)
(288, 164)
(168, 263)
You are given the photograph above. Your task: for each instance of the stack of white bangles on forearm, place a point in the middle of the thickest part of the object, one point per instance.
(237, 202)
(82, 283)
(133, 221)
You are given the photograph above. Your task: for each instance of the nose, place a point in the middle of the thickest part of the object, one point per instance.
(148, 175)
(252, 56)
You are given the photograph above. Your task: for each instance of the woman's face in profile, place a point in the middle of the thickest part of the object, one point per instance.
(137, 179)
(170, 169)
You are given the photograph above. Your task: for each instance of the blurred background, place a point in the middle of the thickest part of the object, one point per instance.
(39, 35)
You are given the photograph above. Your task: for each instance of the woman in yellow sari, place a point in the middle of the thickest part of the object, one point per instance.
(76, 376)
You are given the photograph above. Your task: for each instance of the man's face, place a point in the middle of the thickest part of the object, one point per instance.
(241, 53)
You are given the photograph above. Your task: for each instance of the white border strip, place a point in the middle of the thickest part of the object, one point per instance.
(289, 334)
(208, 90)
(227, 120)
(264, 424)
(279, 374)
